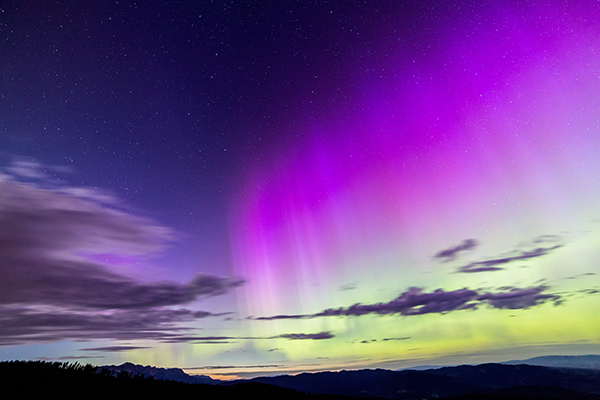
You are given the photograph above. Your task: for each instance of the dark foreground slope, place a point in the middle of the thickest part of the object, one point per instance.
(493, 381)
(43, 380)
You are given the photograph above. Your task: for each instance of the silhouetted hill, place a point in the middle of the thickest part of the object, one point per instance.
(498, 376)
(20, 379)
(480, 380)
(375, 383)
(41, 380)
(588, 361)
(528, 393)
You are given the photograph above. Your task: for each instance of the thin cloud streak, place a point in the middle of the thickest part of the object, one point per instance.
(491, 265)
(111, 349)
(220, 339)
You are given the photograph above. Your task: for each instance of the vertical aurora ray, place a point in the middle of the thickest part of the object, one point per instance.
(493, 136)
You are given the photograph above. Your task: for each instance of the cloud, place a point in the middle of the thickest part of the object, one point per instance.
(416, 302)
(237, 366)
(27, 169)
(53, 287)
(67, 358)
(368, 341)
(214, 342)
(183, 339)
(411, 302)
(548, 239)
(349, 286)
(451, 253)
(220, 339)
(34, 324)
(491, 264)
(515, 298)
(89, 285)
(306, 336)
(114, 348)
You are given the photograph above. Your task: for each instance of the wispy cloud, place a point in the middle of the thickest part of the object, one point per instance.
(67, 358)
(114, 348)
(237, 366)
(492, 264)
(349, 286)
(451, 253)
(368, 341)
(416, 302)
(290, 336)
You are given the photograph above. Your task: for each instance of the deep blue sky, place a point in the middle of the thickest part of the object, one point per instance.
(167, 104)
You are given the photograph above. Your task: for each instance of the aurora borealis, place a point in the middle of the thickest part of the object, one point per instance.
(243, 188)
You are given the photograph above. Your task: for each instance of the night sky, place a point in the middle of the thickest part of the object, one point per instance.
(240, 188)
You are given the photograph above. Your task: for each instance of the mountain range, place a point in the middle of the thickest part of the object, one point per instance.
(448, 381)
(172, 374)
(557, 377)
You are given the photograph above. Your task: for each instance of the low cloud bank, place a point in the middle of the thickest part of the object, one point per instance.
(52, 286)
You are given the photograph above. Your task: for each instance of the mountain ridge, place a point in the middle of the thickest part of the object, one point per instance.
(511, 379)
(444, 382)
(589, 361)
(147, 371)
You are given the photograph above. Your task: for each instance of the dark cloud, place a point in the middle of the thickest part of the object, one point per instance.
(416, 302)
(516, 298)
(451, 253)
(590, 291)
(114, 348)
(367, 341)
(237, 366)
(183, 339)
(220, 339)
(89, 285)
(68, 358)
(52, 286)
(491, 264)
(40, 324)
(214, 342)
(411, 302)
(306, 336)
